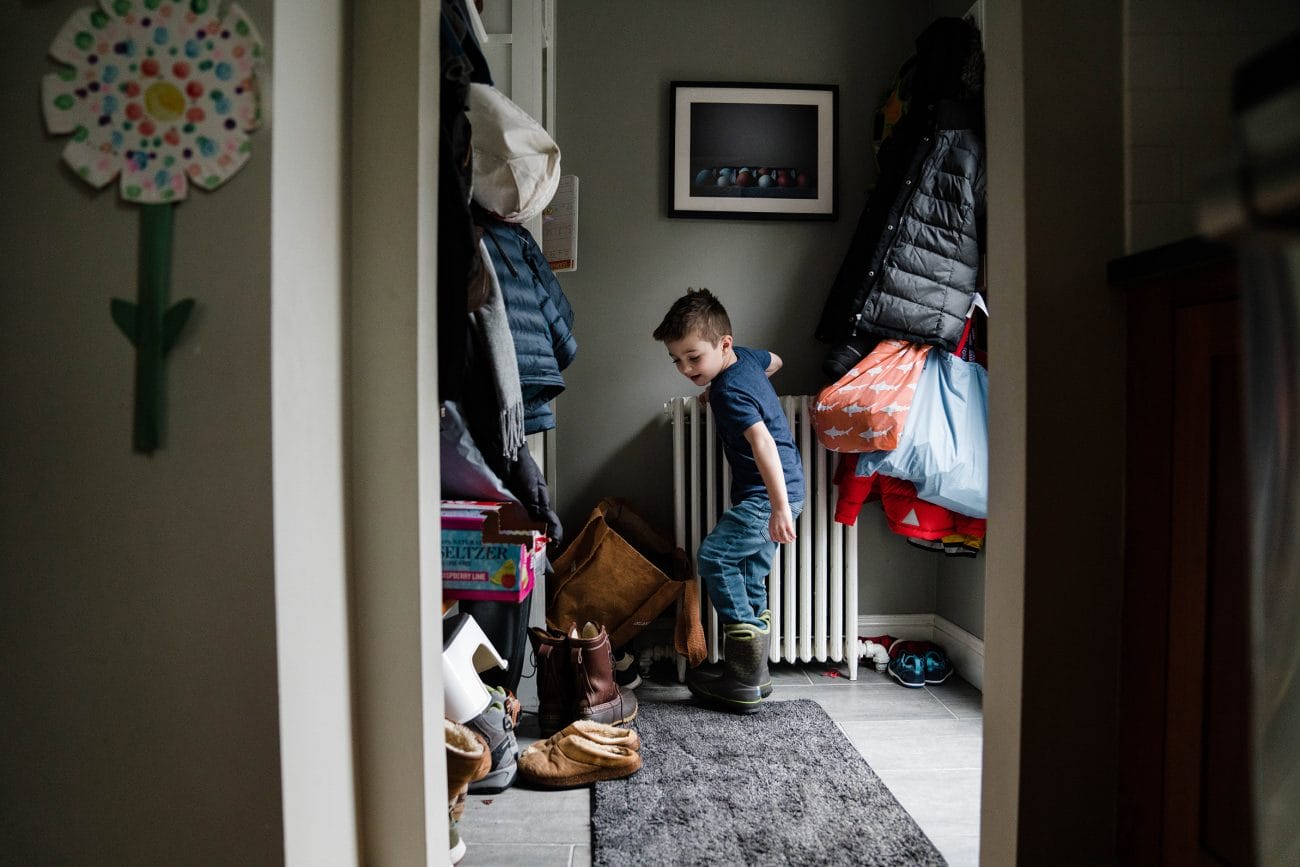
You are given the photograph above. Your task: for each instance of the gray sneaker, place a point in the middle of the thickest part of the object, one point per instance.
(498, 729)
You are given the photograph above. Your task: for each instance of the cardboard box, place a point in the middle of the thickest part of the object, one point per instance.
(486, 555)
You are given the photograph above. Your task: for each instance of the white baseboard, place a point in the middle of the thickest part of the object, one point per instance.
(965, 650)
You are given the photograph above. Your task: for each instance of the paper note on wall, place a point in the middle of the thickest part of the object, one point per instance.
(560, 226)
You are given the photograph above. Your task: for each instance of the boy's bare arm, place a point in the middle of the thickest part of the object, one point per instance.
(781, 524)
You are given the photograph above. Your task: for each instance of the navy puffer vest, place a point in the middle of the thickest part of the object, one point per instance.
(540, 317)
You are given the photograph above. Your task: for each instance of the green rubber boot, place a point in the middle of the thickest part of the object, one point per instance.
(711, 670)
(739, 687)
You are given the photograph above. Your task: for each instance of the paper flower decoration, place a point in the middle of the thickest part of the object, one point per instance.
(160, 93)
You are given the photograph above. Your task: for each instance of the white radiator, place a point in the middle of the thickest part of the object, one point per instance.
(813, 588)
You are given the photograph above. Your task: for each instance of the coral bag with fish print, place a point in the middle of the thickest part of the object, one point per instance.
(865, 409)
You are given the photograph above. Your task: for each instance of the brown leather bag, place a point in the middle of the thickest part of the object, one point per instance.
(620, 573)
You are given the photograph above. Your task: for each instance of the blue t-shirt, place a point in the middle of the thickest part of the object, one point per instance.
(740, 396)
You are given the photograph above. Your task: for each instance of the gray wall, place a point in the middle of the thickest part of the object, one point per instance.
(615, 62)
(959, 591)
(137, 644)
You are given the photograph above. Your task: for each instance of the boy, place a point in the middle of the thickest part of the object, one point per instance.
(767, 491)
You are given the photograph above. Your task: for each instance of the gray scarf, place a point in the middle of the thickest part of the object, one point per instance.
(494, 328)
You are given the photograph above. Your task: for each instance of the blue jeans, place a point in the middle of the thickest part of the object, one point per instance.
(735, 558)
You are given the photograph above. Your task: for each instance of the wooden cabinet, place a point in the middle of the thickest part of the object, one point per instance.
(1184, 795)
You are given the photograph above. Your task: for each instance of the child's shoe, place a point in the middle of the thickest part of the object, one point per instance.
(908, 668)
(744, 670)
(713, 670)
(938, 667)
(627, 671)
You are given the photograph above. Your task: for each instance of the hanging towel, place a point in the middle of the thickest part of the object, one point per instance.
(494, 329)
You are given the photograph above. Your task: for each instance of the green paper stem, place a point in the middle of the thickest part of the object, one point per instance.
(150, 325)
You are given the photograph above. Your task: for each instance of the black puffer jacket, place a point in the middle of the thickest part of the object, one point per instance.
(911, 268)
(458, 259)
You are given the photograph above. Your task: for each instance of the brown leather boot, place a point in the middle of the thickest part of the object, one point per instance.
(555, 705)
(597, 695)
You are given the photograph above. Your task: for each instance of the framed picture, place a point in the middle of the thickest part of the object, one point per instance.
(754, 151)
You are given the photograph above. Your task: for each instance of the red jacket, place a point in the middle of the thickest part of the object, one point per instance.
(907, 514)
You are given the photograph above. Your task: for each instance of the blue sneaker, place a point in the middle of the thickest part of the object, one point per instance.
(908, 669)
(938, 667)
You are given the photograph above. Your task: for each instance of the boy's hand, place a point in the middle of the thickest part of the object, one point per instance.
(704, 397)
(781, 524)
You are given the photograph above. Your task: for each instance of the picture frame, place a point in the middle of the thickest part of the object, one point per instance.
(753, 151)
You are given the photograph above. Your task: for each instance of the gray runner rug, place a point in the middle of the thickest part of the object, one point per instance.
(782, 786)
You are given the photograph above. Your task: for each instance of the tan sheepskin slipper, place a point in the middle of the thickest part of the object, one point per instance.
(610, 736)
(574, 760)
(468, 759)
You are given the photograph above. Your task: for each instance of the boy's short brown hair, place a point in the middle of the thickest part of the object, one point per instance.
(696, 312)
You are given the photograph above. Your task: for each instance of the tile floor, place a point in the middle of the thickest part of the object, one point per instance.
(924, 743)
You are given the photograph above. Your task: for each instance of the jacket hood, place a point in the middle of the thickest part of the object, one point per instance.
(949, 62)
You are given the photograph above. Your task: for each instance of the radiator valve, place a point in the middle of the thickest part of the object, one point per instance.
(877, 653)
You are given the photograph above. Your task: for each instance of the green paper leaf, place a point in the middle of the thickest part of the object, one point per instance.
(124, 314)
(174, 320)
